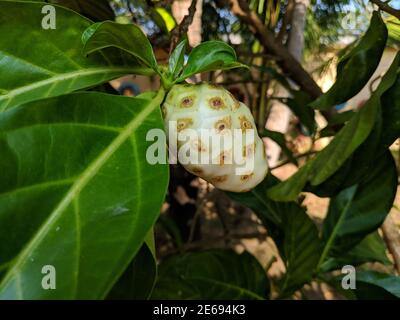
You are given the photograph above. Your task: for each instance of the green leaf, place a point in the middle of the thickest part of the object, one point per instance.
(163, 19)
(346, 142)
(127, 37)
(213, 274)
(393, 25)
(74, 192)
(359, 210)
(176, 60)
(371, 249)
(138, 280)
(279, 138)
(357, 66)
(337, 121)
(391, 115)
(371, 285)
(97, 10)
(293, 231)
(46, 63)
(300, 250)
(210, 55)
(299, 106)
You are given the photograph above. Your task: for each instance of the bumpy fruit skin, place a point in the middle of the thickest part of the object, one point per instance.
(205, 106)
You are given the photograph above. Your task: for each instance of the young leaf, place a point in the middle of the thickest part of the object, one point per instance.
(210, 55)
(46, 63)
(213, 274)
(357, 66)
(74, 192)
(127, 37)
(177, 59)
(359, 210)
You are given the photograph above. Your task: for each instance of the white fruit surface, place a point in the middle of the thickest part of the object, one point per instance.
(203, 106)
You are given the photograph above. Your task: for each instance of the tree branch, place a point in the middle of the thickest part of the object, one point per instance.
(183, 27)
(287, 62)
(385, 7)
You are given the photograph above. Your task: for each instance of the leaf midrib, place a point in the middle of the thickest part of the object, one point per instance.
(63, 77)
(335, 230)
(79, 185)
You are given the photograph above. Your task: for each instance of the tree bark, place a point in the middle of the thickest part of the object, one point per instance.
(180, 8)
(280, 114)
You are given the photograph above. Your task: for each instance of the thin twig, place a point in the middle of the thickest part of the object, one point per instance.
(183, 27)
(307, 154)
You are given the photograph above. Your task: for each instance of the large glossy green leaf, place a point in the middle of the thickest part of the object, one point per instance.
(214, 274)
(127, 37)
(74, 192)
(358, 210)
(36, 63)
(137, 281)
(357, 66)
(371, 249)
(357, 131)
(210, 55)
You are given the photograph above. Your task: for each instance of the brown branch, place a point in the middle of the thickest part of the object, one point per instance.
(183, 27)
(385, 7)
(288, 63)
(391, 235)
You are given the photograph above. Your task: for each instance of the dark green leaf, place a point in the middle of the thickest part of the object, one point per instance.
(292, 230)
(359, 210)
(138, 280)
(279, 138)
(357, 66)
(214, 274)
(127, 37)
(96, 10)
(210, 55)
(371, 285)
(300, 250)
(371, 249)
(36, 63)
(346, 142)
(74, 192)
(299, 106)
(336, 122)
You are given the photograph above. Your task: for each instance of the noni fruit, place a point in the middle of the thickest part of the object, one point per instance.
(214, 136)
